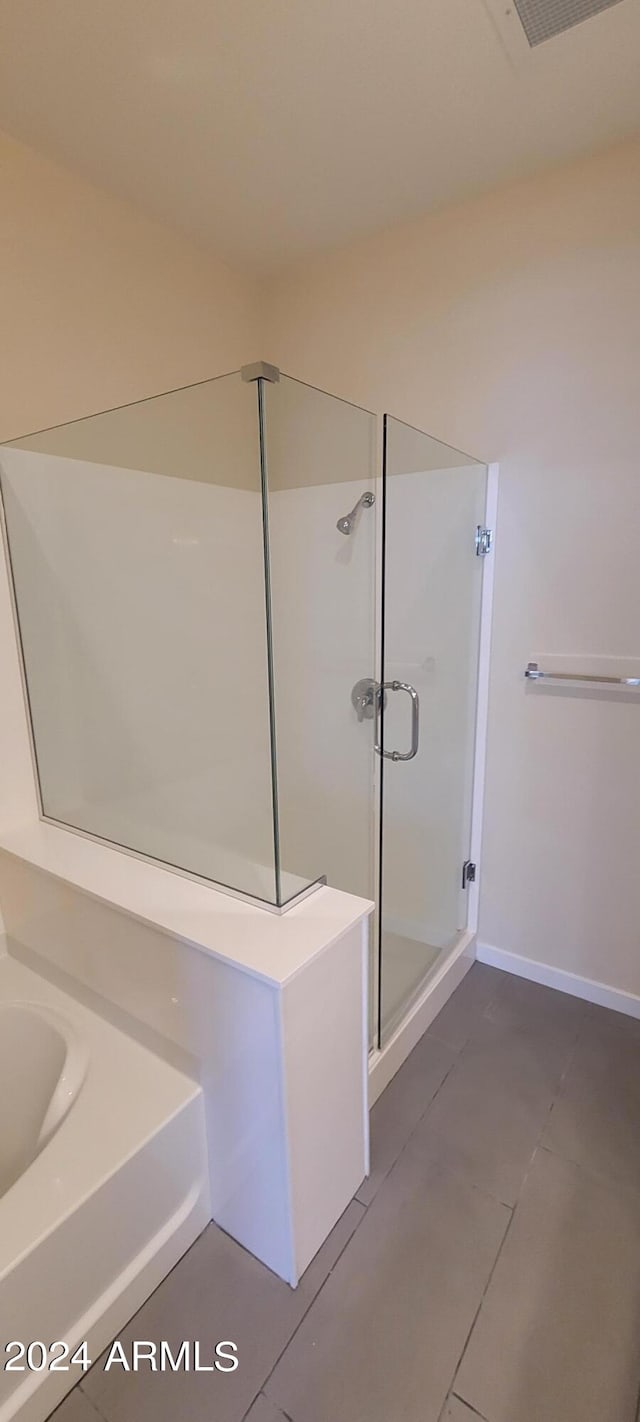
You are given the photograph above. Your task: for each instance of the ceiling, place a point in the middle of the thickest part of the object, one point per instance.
(269, 130)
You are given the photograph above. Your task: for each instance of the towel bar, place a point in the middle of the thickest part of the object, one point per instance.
(534, 673)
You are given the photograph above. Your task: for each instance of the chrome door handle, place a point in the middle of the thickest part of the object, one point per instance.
(415, 720)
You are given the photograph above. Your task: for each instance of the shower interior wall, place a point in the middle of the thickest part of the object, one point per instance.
(163, 769)
(130, 753)
(324, 604)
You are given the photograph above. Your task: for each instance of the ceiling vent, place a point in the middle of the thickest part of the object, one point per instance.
(543, 19)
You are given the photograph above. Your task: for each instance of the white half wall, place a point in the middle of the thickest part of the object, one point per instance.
(282, 1062)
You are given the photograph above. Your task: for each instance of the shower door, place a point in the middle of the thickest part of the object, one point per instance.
(434, 501)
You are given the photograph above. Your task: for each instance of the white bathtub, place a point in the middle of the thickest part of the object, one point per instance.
(45, 1061)
(103, 1179)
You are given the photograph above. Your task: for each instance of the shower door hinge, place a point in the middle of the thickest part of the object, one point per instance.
(484, 540)
(468, 873)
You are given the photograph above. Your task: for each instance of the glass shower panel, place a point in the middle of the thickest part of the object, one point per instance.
(434, 501)
(320, 454)
(136, 545)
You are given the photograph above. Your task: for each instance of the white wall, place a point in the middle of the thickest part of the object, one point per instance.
(323, 599)
(509, 327)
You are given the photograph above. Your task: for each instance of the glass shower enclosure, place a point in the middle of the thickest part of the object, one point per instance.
(251, 653)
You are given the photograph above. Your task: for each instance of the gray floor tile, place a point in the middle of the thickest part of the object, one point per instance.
(458, 1020)
(596, 1119)
(457, 1411)
(217, 1291)
(600, 1020)
(400, 1108)
(556, 1339)
(534, 1008)
(264, 1411)
(75, 1408)
(488, 1116)
(382, 1339)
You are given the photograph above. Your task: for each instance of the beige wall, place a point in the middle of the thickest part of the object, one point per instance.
(510, 327)
(98, 304)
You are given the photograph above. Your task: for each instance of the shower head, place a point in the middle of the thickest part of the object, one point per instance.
(346, 524)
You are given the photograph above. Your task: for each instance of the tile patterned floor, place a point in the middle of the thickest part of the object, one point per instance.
(488, 1271)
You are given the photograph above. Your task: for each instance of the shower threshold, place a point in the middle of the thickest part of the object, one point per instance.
(401, 1035)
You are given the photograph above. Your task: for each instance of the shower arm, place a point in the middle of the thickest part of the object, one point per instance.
(345, 524)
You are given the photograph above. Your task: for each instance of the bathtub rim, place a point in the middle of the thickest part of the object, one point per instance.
(160, 1097)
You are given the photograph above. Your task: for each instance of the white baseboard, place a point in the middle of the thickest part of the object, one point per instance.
(587, 988)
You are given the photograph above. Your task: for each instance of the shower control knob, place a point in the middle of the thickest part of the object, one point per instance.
(363, 698)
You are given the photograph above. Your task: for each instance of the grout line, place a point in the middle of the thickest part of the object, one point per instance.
(414, 1128)
(365, 1205)
(458, 1053)
(104, 1416)
(625, 1189)
(312, 1300)
(557, 1094)
(484, 1294)
(286, 1415)
(89, 1401)
(468, 1404)
(514, 1207)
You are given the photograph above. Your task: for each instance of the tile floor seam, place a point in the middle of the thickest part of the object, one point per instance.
(479, 1415)
(512, 1210)
(262, 1393)
(90, 1402)
(637, 1414)
(104, 1417)
(444, 1167)
(614, 1187)
(367, 1203)
(471, 1409)
(545, 1120)
(453, 1392)
(606, 1182)
(549, 1112)
(459, 1050)
(311, 1303)
(459, 1173)
(442, 1415)
(486, 1010)
(442, 1042)
(414, 1130)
